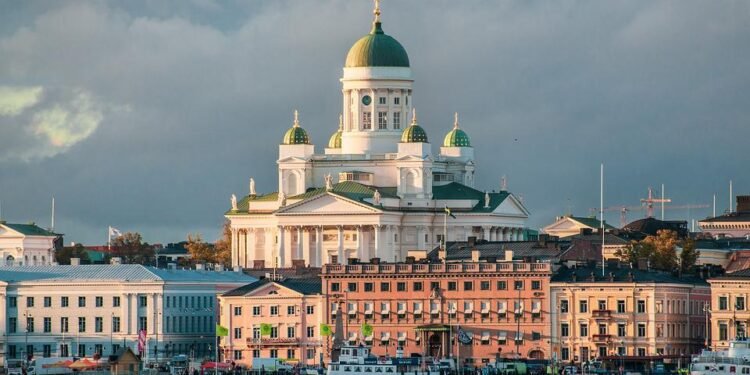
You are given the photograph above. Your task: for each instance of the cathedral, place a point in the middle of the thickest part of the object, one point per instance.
(377, 190)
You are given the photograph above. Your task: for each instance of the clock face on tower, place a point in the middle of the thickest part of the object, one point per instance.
(366, 100)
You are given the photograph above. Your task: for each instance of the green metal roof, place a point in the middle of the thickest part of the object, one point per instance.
(454, 190)
(414, 134)
(377, 49)
(335, 140)
(30, 229)
(456, 138)
(591, 222)
(296, 136)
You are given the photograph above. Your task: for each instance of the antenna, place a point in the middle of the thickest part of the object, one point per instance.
(714, 215)
(730, 196)
(662, 202)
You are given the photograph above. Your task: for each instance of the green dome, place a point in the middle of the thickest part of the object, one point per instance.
(456, 138)
(335, 140)
(377, 49)
(414, 134)
(296, 135)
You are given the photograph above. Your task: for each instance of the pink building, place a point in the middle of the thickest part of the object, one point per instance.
(477, 311)
(293, 308)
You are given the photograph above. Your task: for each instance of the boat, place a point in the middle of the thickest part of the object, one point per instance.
(733, 361)
(357, 360)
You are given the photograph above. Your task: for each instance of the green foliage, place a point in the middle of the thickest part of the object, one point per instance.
(688, 256)
(131, 248)
(661, 252)
(63, 255)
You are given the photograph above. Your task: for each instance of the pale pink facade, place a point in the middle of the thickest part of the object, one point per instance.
(294, 316)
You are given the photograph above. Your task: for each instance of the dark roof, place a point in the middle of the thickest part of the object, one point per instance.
(591, 222)
(738, 275)
(650, 226)
(304, 286)
(496, 249)
(622, 274)
(30, 229)
(731, 217)
(609, 238)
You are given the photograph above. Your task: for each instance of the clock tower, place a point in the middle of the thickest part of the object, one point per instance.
(377, 89)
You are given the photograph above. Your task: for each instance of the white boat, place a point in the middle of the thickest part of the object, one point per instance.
(357, 360)
(733, 361)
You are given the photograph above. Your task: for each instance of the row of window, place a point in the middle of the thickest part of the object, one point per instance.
(291, 332)
(65, 324)
(583, 330)
(64, 350)
(274, 353)
(197, 302)
(583, 306)
(65, 301)
(291, 310)
(739, 303)
(382, 120)
(418, 286)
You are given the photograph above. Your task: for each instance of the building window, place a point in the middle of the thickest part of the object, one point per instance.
(397, 101)
(47, 325)
(290, 353)
(352, 287)
(274, 310)
(564, 330)
(116, 301)
(81, 301)
(621, 329)
(602, 304)
(621, 306)
(256, 310)
(382, 100)
(583, 306)
(367, 120)
(98, 324)
(584, 330)
(290, 332)
(237, 310)
(143, 301)
(143, 323)
(12, 323)
(564, 306)
(452, 286)
(396, 120)
(12, 351)
(81, 324)
(238, 333)
(434, 285)
(536, 285)
(518, 285)
(115, 324)
(723, 333)
(310, 310)
(274, 332)
(369, 287)
(99, 301)
(400, 286)
(291, 310)
(723, 303)
(602, 329)
(641, 352)
(310, 353)
(385, 287)
(335, 287)
(237, 354)
(12, 302)
(565, 354)
(484, 285)
(47, 301)
(418, 286)
(739, 303)
(47, 351)
(641, 329)
(29, 301)
(256, 353)
(468, 285)
(310, 331)
(29, 324)
(382, 120)
(641, 306)
(256, 332)
(64, 325)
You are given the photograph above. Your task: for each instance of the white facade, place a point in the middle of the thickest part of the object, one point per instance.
(26, 244)
(380, 193)
(81, 310)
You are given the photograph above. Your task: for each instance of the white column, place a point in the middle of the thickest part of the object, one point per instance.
(252, 245)
(280, 247)
(360, 250)
(376, 239)
(420, 238)
(486, 233)
(3, 325)
(160, 309)
(307, 248)
(269, 247)
(133, 313)
(340, 253)
(233, 247)
(319, 256)
(298, 254)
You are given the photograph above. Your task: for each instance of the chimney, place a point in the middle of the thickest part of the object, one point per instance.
(472, 240)
(475, 255)
(508, 255)
(172, 266)
(75, 261)
(115, 261)
(375, 260)
(199, 267)
(743, 203)
(442, 255)
(586, 231)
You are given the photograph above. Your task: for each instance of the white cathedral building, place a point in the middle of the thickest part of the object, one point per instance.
(377, 190)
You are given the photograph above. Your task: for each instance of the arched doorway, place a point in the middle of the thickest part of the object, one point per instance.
(435, 344)
(10, 261)
(536, 354)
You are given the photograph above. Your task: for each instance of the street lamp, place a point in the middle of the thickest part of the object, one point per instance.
(28, 315)
(706, 311)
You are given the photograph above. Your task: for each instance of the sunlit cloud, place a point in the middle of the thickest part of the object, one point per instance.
(65, 125)
(14, 100)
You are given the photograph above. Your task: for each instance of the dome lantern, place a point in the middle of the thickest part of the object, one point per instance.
(296, 135)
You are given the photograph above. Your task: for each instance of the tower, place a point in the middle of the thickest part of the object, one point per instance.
(295, 153)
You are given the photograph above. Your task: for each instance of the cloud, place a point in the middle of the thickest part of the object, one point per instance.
(37, 123)
(14, 100)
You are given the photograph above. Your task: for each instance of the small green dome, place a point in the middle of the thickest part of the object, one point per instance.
(414, 133)
(377, 49)
(456, 137)
(296, 135)
(335, 140)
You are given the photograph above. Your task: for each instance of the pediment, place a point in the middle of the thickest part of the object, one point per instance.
(511, 207)
(273, 290)
(327, 204)
(292, 159)
(565, 224)
(414, 158)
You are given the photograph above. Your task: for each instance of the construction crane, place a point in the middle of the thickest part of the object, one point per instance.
(649, 202)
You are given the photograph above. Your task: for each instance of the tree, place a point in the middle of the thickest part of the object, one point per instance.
(224, 245)
(665, 254)
(634, 251)
(63, 255)
(131, 248)
(688, 256)
(200, 251)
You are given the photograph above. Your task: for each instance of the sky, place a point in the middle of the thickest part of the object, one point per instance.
(147, 115)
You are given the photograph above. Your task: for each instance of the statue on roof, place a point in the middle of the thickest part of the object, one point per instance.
(234, 202)
(486, 200)
(329, 182)
(376, 197)
(282, 199)
(252, 186)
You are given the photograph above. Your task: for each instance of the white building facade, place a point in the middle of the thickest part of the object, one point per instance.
(27, 244)
(58, 311)
(377, 190)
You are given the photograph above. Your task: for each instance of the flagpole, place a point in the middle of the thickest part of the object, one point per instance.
(445, 231)
(601, 210)
(109, 237)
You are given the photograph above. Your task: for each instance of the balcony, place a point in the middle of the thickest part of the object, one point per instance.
(251, 342)
(601, 338)
(601, 314)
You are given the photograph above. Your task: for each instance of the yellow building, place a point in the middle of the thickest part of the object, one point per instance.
(626, 317)
(729, 312)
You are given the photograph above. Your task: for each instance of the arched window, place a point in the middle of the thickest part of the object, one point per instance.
(10, 260)
(291, 184)
(411, 181)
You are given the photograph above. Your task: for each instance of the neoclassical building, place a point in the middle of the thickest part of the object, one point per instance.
(377, 190)
(27, 245)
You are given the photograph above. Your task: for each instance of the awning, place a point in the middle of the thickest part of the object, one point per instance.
(401, 308)
(402, 336)
(452, 308)
(352, 308)
(352, 336)
(368, 308)
(385, 336)
(486, 336)
(433, 328)
(536, 307)
(485, 308)
(468, 309)
(519, 336)
(502, 307)
(502, 335)
(435, 309)
(385, 309)
(368, 338)
(418, 308)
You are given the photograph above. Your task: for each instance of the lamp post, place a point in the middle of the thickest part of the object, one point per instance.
(111, 330)
(27, 315)
(706, 311)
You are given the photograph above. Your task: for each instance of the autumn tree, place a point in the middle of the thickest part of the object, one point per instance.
(204, 252)
(665, 250)
(223, 245)
(131, 248)
(63, 255)
(688, 256)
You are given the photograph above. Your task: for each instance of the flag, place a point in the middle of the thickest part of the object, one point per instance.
(141, 341)
(222, 331)
(265, 329)
(449, 213)
(325, 330)
(114, 232)
(366, 330)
